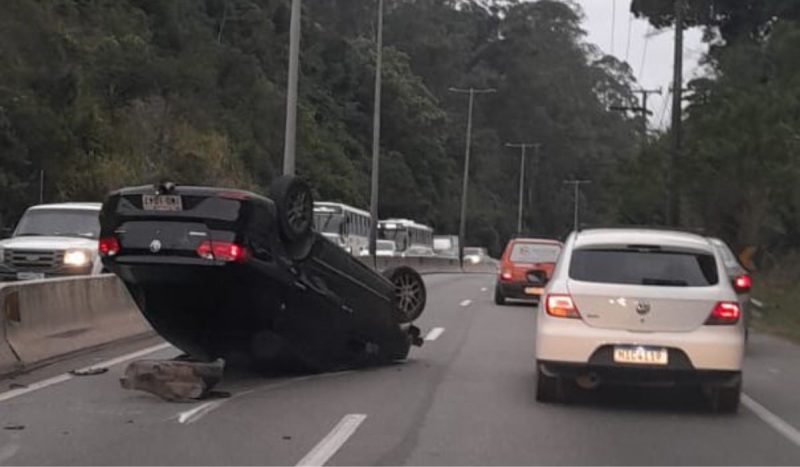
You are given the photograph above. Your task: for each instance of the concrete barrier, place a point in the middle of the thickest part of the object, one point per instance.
(9, 306)
(55, 317)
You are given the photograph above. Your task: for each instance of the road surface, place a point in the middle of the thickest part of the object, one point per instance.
(465, 398)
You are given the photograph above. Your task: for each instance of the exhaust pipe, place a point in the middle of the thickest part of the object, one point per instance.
(588, 381)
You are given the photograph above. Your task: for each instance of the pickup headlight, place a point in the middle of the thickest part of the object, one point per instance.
(77, 258)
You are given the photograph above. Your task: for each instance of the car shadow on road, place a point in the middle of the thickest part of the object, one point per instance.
(667, 400)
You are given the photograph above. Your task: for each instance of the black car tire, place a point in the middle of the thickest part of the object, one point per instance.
(548, 388)
(499, 298)
(410, 294)
(725, 399)
(295, 206)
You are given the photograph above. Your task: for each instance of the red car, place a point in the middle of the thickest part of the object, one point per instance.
(526, 266)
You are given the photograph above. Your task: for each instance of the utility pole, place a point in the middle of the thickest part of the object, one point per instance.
(376, 140)
(576, 210)
(289, 141)
(644, 110)
(463, 220)
(673, 197)
(522, 147)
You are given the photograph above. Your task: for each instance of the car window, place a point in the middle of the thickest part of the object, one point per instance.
(534, 253)
(663, 268)
(59, 222)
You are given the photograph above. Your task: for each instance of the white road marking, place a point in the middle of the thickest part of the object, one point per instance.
(194, 414)
(466, 303)
(191, 416)
(66, 376)
(331, 443)
(774, 421)
(484, 289)
(434, 334)
(7, 452)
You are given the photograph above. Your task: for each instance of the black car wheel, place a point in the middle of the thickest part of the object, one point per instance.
(295, 206)
(499, 298)
(409, 292)
(725, 399)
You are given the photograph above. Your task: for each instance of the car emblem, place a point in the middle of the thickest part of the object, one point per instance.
(32, 258)
(643, 308)
(155, 246)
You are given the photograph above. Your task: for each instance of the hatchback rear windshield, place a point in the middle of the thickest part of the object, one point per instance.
(624, 266)
(534, 253)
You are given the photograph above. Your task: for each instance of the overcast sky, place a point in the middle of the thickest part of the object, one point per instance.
(656, 69)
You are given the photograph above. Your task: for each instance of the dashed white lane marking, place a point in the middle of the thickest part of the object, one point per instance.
(466, 303)
(434, 334)
(331, 443)
(774, 421)
(196, 413)
(66, 376)
(7, 452)
(484, 289)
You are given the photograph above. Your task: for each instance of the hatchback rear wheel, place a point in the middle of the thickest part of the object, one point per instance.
(499, 298)
(725, 399)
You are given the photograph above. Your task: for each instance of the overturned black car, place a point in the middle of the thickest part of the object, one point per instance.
(231, 274)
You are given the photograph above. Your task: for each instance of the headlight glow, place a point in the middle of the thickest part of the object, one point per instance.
(76, 258)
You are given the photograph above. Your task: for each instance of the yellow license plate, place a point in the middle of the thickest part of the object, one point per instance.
(639, 355)
(534, 290)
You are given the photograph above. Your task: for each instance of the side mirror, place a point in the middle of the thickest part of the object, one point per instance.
(742, 284)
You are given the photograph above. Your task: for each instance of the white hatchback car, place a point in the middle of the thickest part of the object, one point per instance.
(644, 307)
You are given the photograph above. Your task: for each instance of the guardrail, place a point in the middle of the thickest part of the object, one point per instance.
(430, 264)
(50, 318)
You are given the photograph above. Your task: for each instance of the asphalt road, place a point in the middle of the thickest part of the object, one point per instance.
(465, 398)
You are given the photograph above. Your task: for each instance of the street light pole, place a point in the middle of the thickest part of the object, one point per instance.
(522, 147)
(577, 185)
(376, 138)
(289, 142)
(463, 220)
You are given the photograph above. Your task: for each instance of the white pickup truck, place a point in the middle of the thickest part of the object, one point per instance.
(53, 240)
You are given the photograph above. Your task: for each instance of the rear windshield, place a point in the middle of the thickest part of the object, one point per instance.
(534, 253)
(664, 268)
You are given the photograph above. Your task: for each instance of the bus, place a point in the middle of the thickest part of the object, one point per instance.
(405, 233)
(344, 225)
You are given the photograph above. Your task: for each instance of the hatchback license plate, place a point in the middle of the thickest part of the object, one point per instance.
(534, 290)
(162, 203)
(640, 355)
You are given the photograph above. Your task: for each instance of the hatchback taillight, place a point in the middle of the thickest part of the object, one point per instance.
(725, 313)
(108, 246)
(222, 251)
(742, 284)
(506, 275)
(561, 306)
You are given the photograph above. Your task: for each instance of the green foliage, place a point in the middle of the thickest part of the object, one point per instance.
(102, 94)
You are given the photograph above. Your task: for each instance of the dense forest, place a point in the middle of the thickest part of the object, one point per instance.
(98, 94)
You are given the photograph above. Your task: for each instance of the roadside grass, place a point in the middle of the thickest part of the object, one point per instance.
(779, 290)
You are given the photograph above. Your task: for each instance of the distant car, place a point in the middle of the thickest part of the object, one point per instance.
(223, 273)
(739, 277)
(640, 306)
(382, 248)
(419, 250)
(475, 255)
(53, 240)
(446, 246)
(525, 268)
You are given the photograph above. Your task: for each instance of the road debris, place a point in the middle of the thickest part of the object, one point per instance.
(89, 371)
(174, 381)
